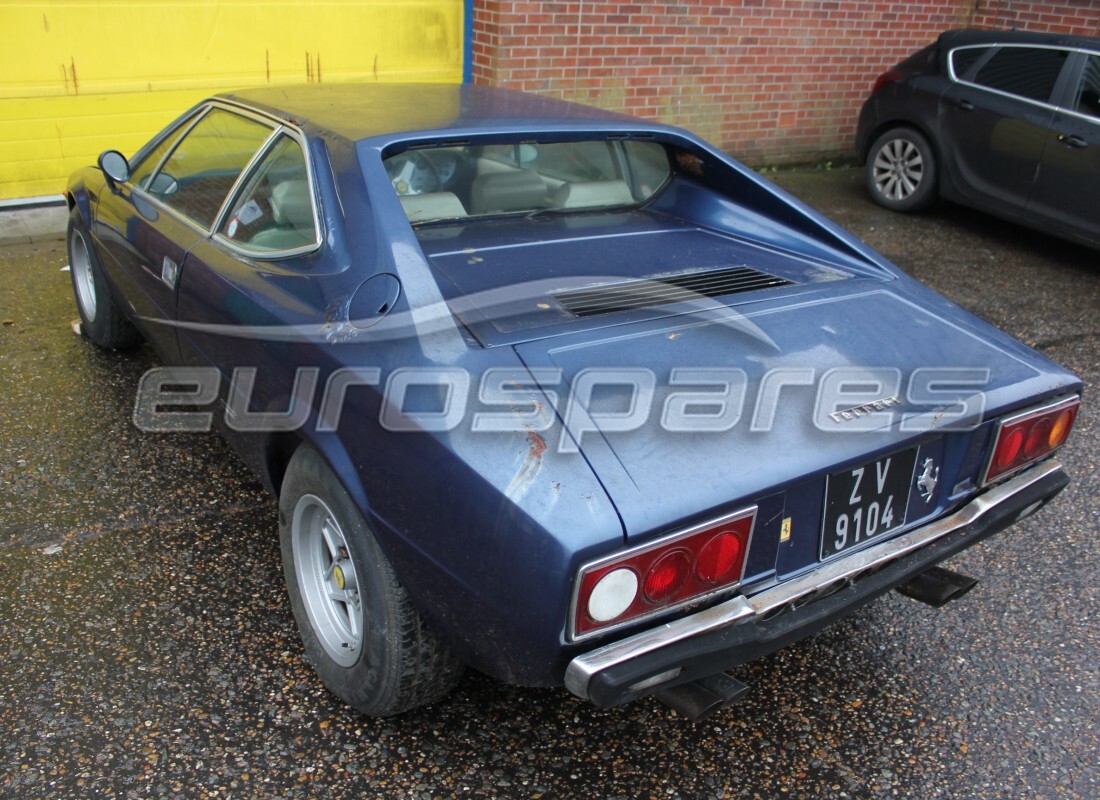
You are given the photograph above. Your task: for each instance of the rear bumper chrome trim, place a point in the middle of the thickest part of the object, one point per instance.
(741, 610)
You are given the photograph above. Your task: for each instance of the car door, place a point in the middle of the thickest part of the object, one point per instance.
(170, 203)
(138, 241)
(248, 279)
(1065, 192)
(994, 122)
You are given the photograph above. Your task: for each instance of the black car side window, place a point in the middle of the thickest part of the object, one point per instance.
(204, 166)
(1087, 100)
(1029, 72)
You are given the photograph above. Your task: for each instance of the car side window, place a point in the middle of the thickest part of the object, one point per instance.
(1087, 99)
(1029, 72)
(274, 210)
(204, 166)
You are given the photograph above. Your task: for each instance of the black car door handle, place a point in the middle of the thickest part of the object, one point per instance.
(1072, 141)
(964, 105)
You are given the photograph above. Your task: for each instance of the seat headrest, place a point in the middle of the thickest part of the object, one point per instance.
(583, 194)
(290, 204)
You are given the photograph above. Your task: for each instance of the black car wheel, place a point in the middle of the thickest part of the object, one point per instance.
(361, 632)
(901, 170)
(100, 317)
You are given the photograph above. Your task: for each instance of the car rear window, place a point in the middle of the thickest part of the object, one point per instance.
(479, 180)
(1029, 72)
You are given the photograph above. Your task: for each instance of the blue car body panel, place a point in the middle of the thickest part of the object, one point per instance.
(487, 530)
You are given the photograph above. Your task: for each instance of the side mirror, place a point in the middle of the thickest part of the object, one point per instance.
(115, 167)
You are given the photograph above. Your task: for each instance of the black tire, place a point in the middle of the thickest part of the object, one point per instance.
(394, 663)
(101, 319)
(902, 170)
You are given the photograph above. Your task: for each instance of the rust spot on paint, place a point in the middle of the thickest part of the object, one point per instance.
(267, 55)
(538, 445)
(72, 70)
(46, 23)
(318, 68)
(525, 476)
(376, 66)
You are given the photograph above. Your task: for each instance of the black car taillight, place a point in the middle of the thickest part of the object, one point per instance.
(668, 573)
(1025, 438)
(886, 78)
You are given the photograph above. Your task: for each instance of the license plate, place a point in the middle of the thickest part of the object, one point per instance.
(866, 502)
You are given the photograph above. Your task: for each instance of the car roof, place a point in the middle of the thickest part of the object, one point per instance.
(386, 112)
(958, 38)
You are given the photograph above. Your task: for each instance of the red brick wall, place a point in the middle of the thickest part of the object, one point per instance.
(771, 81)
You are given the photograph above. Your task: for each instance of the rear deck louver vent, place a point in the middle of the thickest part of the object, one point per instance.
(611, 297)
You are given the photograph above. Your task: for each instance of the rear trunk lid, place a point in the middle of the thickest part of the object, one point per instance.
(697, 415)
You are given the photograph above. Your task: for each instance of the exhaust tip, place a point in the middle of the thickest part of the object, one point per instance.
(937, 586)
(703, 698)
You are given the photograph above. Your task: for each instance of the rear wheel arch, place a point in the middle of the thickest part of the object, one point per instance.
(280, 448)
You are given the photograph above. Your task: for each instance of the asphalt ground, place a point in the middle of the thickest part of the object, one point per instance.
(147, 648)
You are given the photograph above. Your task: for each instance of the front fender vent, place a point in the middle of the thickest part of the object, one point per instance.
(610, 297)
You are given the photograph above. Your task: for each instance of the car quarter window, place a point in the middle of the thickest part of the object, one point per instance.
(964, 58)
(206, 163)
(274, 210)
(1087, 97)
(1029, 72)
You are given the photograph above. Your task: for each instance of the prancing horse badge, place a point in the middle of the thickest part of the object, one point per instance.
(929, 477)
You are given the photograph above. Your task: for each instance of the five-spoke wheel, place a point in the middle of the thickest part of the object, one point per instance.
(360, 629)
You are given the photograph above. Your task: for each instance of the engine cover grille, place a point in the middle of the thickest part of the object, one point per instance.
(611, 297)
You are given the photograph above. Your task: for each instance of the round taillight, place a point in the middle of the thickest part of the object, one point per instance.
(666, 576)
(1010, 448)
(612, 595)
(1036, 443)
(718, 558)
(1060, 429)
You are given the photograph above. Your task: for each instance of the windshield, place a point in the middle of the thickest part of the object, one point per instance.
(488, 179)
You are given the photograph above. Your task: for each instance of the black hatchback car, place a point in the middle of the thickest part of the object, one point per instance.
(1007, 122)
